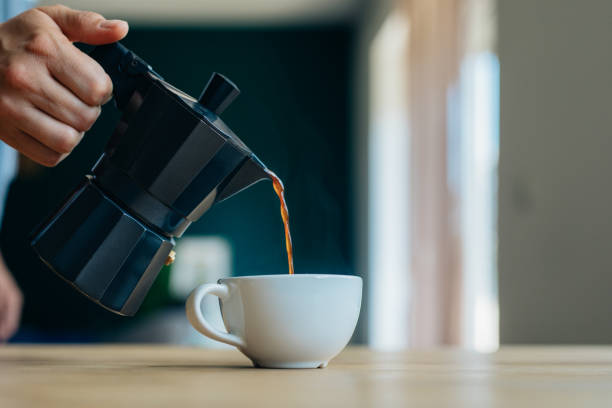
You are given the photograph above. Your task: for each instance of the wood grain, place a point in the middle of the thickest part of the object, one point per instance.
(164, 376)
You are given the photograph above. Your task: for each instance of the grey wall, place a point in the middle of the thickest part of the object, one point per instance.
(555, 215)
(370, 19)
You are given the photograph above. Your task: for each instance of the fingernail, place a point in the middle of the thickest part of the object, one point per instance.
(110, 24)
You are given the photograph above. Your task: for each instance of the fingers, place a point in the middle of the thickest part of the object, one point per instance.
(82, 75)
(56, 59)
(32, 148)
(86, 26)
(52, 133)
(50, 91)
(70, 66)
(58, 102)
(40, 117)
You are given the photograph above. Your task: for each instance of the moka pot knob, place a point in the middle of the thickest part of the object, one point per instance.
(218, 93)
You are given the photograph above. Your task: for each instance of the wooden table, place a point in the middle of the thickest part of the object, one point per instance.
(163, 376)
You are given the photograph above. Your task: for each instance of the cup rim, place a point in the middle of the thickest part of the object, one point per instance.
(286, 276)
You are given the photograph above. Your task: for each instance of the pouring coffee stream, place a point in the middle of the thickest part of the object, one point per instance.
(279, 188)
(170, 159)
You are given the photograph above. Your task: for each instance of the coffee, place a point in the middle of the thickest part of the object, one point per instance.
(279, 188)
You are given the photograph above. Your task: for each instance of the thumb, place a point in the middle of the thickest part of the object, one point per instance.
(86, 26)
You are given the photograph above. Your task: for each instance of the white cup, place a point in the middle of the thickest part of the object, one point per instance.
(283, 321)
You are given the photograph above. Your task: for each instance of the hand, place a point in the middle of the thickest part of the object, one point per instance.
(11, 301)
(50, 91)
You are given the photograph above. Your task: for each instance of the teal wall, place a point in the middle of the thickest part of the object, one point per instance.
(293, 112)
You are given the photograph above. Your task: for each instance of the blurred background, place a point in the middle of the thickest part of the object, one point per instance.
(453, 153)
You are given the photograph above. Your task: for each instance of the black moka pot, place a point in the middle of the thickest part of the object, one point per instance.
(169, 160)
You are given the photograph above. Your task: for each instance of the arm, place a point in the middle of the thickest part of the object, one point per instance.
(11, 301)
(50, 91)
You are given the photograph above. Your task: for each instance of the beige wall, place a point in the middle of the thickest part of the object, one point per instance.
(555, 192)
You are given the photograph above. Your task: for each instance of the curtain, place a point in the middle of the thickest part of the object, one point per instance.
(433, 60)
(443, 35)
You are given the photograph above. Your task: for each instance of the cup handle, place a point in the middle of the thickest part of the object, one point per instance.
(193, 307)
